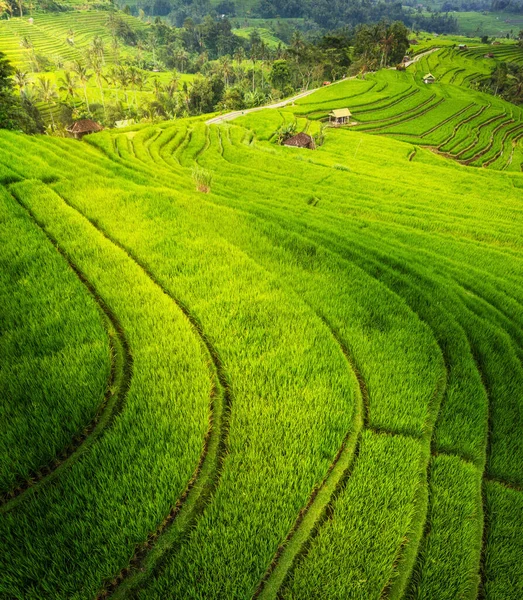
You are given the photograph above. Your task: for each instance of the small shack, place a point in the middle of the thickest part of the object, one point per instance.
(301, 140)
(429, 78)
(83, 127)
(124, 123)
(496, 43)
(463, 47)
(340, 116)
(489, 55)
(413, 42)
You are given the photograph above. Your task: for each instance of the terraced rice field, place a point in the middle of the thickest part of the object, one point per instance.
(49, 36)
(449, 116)
(306, 383)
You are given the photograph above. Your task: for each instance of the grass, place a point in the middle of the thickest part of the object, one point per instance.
(49, 320)
(369, 342)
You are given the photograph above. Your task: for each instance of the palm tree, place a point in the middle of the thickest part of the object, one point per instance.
(5, 7)
(97, 48)
(386, 43)
(83, 74)
(115, 46)
(95, 63)
(113, 80)
(69, 85)
(181, 57)
(515, 91)
(226, 69)
(239, 55)
(152, 44)
(157, 88)
(254, 58)
(47, 93)
(123, 76)
(133, 78)
(21, 79)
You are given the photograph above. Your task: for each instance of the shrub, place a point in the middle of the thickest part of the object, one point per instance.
(203, 179)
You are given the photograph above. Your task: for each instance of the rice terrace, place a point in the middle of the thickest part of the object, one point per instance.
(261, 301)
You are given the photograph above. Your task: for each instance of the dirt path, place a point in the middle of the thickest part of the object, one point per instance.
(420, 56)
(238, 113)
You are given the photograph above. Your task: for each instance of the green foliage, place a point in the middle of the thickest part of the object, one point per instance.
(326, 353)
(202, 179)
(280, 75)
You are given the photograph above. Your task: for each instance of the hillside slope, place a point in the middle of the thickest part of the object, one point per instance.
(322, 357)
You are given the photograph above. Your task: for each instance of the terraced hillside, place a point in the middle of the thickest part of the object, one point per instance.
(62, 37)
(313, 373)
(448, 117)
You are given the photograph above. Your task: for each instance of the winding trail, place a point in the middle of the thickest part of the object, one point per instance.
(239, 113)
(117, 387)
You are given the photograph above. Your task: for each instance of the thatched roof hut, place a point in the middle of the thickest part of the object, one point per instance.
(340, 116)
(84, 127)
(301, 140)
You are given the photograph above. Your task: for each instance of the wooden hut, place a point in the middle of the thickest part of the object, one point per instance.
(463, 47)
(301, 140)
(340, 116)
(84, 127)
(429, 78)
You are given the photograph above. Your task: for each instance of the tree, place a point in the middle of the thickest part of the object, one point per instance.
(9, 107)
(515, 90)
(5, 7)
(48, 95)
(21, 79)
(200, 98)
(95, 62)
(83, 74)
(226, 69)
(239, 55)
(69, 85)
(280, 75)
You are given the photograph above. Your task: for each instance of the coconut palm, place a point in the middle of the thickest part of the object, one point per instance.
(124, 78)
(83, 74)
(97, 48)
(4, 7)
(157, 88)
(181, 57)
(226, 69)
(115, 47)
(239, 55)
(69, 85)
(113, 79)
(21, 79)
(95, 62)
(47, 94)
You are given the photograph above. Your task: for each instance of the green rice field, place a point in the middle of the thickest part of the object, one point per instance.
(305, 383)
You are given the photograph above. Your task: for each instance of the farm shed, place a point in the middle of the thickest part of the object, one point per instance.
(413, 42)
(84, 127)
(489, 55)
(340, 116)
(124, 123)
(429, 78)
(301, 140)
(463, 47)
